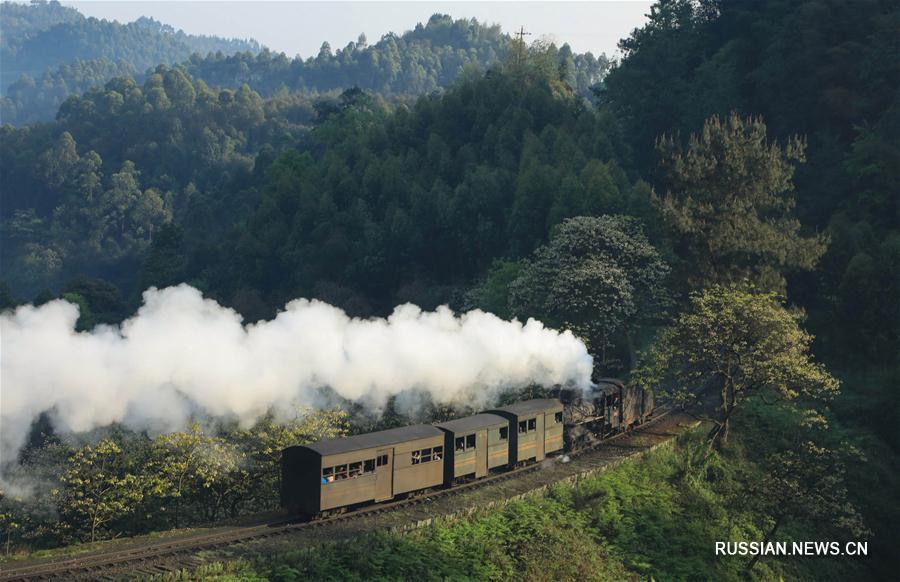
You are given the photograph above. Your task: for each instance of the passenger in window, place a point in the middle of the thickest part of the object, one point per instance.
(415, 457)
(437, 454)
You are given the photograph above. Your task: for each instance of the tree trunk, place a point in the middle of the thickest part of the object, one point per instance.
(632, 351)
(729, 410)
(766, 539)
(723, 434)
(718, 436)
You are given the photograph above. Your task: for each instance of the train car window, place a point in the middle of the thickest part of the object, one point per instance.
(426, 455)
(382, 460)
(523, 427)
(416, 457)
(532, 424)
(460, 443)
(369, 466)
(355, 469)
(438, 453)
(340, 472)
(504, 433)
(470, 442)
(557, 418)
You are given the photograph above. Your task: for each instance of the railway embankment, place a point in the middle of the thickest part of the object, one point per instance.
(220, 543)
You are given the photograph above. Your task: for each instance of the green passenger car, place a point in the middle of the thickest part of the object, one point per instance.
(535, 428)
(369, 467)
(475, 445)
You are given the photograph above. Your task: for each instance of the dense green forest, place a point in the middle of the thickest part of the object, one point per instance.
(48, 52)
(207, 158)
(824, 70)
(29, 101)
(40, 36)
(417, 62)
(83, 53)
(728, 190)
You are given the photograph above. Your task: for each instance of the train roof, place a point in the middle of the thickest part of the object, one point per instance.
(530, 406)
(613, 381)
(372, 440)
(469, 423)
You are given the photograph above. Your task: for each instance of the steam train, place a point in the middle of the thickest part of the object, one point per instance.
(336, 474)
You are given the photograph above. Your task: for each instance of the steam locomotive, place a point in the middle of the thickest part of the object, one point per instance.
(336, 474)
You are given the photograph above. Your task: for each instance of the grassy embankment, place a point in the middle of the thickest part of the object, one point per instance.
(655, 517)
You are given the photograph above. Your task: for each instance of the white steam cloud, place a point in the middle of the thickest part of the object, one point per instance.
(183, 355)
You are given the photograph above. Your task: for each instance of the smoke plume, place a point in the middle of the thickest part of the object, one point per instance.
(182, 356)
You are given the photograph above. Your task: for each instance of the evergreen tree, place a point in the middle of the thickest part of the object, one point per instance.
(728, 204)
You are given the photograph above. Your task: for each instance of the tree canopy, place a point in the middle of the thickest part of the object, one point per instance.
(742, 343)
(40, 36)
(728, 202)
(417, 62)
(822, 69)
(598, 276)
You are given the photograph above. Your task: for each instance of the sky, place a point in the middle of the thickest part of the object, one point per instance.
(300, 27)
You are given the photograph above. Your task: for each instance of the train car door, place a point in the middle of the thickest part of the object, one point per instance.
(384, 474)
(539, 437)
(614, 408)
(481, 453)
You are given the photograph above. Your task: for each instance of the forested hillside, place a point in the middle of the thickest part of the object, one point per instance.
(720, 212)
(49, 52)
(825, 70)
(30, 101)
(186, 152)
(88, 192)
(417, 62)
(40, 36)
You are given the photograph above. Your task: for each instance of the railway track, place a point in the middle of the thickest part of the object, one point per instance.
(164, 556)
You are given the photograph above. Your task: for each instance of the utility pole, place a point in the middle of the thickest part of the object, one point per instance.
(520, 45)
